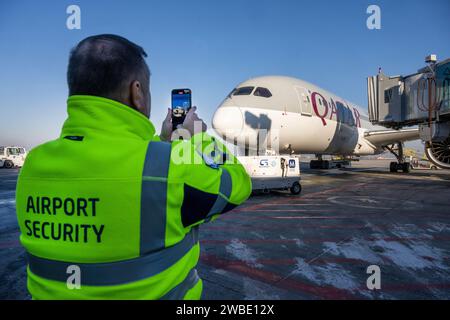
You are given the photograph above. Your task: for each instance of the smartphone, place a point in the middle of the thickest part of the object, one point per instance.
(181, 103)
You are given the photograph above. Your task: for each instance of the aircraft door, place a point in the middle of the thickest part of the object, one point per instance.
(304, 101)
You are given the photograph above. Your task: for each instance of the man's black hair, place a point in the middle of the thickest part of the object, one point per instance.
(102, 65)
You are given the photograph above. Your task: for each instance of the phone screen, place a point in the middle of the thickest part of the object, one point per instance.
(181, 99)
(181, 103)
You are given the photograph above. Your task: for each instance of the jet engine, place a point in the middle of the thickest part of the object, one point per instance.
(438, 152)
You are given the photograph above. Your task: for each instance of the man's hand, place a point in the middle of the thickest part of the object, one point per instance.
(193, 123)
(166, 129)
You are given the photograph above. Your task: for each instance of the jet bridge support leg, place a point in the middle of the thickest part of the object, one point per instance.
(401, 164)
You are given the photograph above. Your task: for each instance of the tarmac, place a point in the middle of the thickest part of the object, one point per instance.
(316, 245)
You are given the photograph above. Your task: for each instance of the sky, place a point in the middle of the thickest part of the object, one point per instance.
(209, 46)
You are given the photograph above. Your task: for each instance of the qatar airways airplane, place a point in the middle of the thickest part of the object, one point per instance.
(296, 117)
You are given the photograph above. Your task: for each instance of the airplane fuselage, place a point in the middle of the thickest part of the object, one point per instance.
(294, 116)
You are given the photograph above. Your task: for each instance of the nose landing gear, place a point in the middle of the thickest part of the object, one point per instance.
(395, 167)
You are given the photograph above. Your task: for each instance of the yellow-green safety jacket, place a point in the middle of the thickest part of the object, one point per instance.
(108, 211)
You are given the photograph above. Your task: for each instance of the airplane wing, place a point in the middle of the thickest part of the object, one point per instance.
(386, 137)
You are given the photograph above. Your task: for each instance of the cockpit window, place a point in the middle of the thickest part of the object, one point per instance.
(262, 92)
(243, 91)
(232, 92)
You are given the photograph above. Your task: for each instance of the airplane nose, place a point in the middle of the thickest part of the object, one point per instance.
(228, 121)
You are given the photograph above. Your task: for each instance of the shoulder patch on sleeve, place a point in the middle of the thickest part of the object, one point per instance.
(209, 161)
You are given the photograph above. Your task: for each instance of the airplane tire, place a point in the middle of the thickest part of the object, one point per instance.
(314, 164)
(393, 167)
(296, 188)
(406, 167)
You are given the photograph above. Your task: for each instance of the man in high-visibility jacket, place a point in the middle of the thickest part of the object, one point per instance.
(109, 210)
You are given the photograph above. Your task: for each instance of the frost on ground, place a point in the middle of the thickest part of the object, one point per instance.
(438, 227)
(240, 251)
(5, 202)
(257, 235)
(409, 231)
(330, 274)
(353, 249)
(297, 241)
(414, 255)
(255, 290)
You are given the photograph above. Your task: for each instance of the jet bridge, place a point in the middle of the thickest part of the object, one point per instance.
(420, 99)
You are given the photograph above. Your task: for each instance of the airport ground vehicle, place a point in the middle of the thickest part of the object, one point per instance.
(11, 157)
(281, 172)
(422, 164)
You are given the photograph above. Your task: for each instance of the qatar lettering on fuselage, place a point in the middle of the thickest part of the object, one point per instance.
(334, 110)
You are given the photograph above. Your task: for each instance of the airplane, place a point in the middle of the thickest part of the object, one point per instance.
(294, 116)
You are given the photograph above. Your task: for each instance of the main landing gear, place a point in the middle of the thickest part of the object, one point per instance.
(319, 163)
(328, 164)
(401, 164)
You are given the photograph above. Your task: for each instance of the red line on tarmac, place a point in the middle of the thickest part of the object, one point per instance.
(311, 206)
(10, 244)
(311, 217)
(296, 204)
(343, 187)
(291, 262)
(304, 201)
(362, 215)
(306, 196)
(335, 240)
(249, 241)
(274, 279)
(225, 241)
(411, 286)
(246, 217)
(385, 227)
(255, 228)
(283, 210)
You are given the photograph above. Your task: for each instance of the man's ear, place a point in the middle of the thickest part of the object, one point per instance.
(138, 98)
